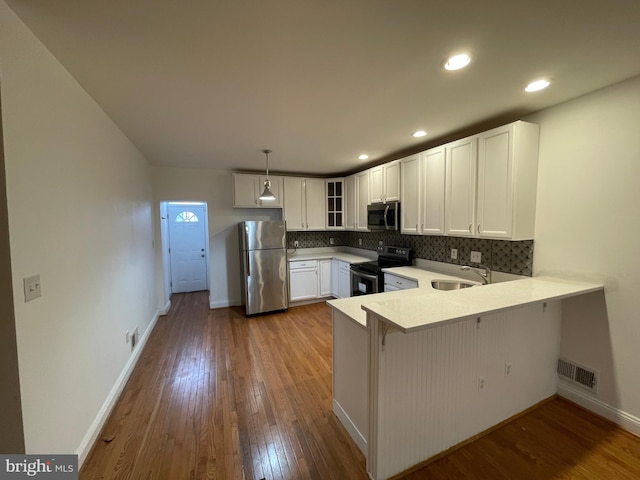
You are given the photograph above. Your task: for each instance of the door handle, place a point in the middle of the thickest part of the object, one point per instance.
(386, 211)
(248, 266)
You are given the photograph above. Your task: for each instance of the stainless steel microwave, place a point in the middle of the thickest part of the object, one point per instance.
(383, 216)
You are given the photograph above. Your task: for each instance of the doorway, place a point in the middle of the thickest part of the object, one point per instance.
(188, 246)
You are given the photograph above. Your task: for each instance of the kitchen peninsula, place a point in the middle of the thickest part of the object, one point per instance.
(419, 371)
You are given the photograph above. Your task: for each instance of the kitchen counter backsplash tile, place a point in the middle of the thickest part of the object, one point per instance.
(500, 255)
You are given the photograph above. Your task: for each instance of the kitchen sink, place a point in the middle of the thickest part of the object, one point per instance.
(451, 284)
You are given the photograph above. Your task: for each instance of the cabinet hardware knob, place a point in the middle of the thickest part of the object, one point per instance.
(470, 229)
(478, 228)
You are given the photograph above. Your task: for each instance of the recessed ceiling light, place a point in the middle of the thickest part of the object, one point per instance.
(364, 156)
(457, 62)
(419, 133)
(537, 85)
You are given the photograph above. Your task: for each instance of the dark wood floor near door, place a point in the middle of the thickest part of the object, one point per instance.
(219, 396)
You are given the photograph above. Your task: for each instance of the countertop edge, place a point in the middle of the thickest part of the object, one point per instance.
(586, 289)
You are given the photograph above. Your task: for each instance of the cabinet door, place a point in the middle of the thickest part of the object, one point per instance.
(303, 283)
(461, 158)
(391, 175)
(335, 271)
(277, 188)
(433, 191)
(350, 202)
(376, 185)
(410, 195)
(315, 200)
(344, 280)
(244, 190)
(362, 198)
(324, 280)
(294, 203)
(335, 204)
(495, 183)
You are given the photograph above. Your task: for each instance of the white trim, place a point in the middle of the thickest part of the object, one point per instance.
(223, 303)
(617, 416)
(165, 310)
(350, 427)
(96, 426)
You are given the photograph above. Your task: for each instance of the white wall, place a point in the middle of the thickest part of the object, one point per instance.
(216, 189)
(588, 226)
(80, 215)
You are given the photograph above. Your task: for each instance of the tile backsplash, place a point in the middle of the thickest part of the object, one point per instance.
(500, 255)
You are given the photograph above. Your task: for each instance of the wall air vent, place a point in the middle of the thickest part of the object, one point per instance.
(580, 375)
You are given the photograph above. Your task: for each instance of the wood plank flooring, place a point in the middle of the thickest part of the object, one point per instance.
(218, 396)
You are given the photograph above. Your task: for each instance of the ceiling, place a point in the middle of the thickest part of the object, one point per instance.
(211, 83)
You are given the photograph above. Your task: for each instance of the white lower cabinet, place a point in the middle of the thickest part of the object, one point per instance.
(303, 280)
(394, 282)
(309, 279)
(324, 279)
(344, 280)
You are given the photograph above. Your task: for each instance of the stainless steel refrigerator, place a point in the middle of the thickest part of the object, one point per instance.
(263, 256)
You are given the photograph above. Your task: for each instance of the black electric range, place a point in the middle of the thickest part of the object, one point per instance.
(367, 278)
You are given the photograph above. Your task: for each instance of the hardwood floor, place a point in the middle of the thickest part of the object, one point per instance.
(216, 395)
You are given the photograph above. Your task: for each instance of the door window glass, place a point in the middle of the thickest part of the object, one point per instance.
(187, 217)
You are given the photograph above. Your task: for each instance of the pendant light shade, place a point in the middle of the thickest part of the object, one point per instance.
(267, 194)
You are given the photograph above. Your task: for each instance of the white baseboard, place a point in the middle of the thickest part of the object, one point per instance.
(96, 426)
(350, 426)
(617, 416)
(165, 310)
(223, 303)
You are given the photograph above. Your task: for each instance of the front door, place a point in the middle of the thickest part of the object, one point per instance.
(187, 241)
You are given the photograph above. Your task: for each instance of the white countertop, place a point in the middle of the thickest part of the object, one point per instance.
(344, 256)
(424, 307)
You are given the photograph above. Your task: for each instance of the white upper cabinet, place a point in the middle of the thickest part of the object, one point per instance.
(507, 178)
(423, 192)
(410, 195)
(460, 188)
(432, 191)
(350, 202)
(362, 200)
(384, 183)
(315, 203)
(335, 203)
(248, 187)
(304, 206)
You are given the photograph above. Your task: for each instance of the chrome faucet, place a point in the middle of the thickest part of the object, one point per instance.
(485, 276)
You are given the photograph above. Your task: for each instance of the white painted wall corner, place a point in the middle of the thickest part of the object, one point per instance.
(96, 426)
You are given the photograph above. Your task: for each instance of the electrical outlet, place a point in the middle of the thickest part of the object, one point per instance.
(331, 241)
(480, 383)
(295, 243)
(454, 253)
(380, 242)
(360, 241)
(476, 257)
(507, 369)
(32, 289)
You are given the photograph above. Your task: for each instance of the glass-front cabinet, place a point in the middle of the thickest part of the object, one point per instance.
(335, 204)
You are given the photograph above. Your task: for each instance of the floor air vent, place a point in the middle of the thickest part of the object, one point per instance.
(580, 375)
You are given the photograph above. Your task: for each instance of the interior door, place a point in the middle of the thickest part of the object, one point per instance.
(187, 241)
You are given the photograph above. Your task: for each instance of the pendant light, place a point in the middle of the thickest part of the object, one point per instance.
(267, 194)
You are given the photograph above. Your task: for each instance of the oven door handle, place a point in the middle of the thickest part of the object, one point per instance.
(364, 275)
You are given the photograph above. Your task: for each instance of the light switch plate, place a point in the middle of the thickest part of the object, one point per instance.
(32, 288)
(476, 257)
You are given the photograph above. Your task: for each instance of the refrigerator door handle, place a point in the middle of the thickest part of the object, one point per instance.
(248, 265)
